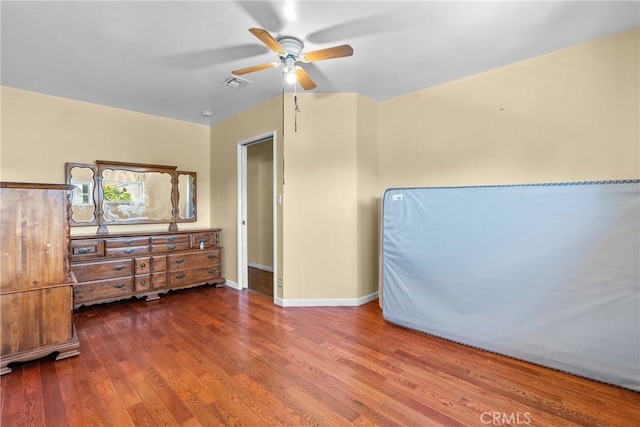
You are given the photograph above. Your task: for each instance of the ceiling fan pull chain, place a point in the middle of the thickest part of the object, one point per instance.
(297, 110)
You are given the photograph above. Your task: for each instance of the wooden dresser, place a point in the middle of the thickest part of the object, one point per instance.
(117, 266)
(36, 299)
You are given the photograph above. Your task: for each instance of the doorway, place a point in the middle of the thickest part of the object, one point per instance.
(256, 214)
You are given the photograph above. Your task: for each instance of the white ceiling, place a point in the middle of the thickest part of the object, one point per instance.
(169, 58)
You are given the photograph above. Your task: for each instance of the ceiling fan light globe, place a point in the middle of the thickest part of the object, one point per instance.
(290, 77)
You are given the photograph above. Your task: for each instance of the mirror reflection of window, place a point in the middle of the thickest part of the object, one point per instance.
(82, 204)
(83, 193)
(186, 196)
(131, 196)
(124, 192)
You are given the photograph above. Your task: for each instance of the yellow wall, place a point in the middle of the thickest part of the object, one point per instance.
(570, 115)
(320, 204)
(225, 136)
(327, 230)
(367, 197)
(260, 201)
(41, 132)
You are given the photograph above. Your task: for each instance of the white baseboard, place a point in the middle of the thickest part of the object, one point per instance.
(319, 302)
(326, 302)
(232, 284)
(260, 267)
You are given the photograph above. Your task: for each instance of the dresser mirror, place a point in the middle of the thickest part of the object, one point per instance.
(115, 193)
(186, 195)
(133, 196)
(83, 204)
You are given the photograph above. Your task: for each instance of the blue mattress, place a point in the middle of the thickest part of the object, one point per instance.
(546, 273)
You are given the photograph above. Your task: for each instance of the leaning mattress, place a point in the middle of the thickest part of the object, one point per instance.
(546, 273)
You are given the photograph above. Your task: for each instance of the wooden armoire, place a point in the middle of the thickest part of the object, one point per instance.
(36, 285)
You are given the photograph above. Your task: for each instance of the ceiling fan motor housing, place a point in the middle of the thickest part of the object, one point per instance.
(292, 45)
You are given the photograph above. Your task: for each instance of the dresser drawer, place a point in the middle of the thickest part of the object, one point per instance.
(126, 251)
(125, 242)
(102, 289)
(143, 283)
(90, 248)
(142, 265)
(205, 239)
(169, 238)
(194, 276)
(159, 280)
(102, 270)
(169, 247)
(158, 263)
(194, 260)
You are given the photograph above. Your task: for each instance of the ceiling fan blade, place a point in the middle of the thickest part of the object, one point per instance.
(263, 13)
(329, 53)
(255, 68)
(368, 25)
(304, 79)
(266, 38)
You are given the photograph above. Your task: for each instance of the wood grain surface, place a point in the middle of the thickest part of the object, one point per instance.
(216, 356)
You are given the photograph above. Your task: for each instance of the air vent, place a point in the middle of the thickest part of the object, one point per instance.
(236, 82)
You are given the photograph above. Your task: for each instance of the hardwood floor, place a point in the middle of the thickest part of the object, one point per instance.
(207, 357)
(260, 281)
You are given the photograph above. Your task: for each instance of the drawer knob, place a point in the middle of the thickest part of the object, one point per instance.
(143, 282)
(180, 261)
(129, 251)
(212, 271)
(84, 250)
(180, 276)
(119, 285)
(119, 267)
(127, 242)
(171, 239)
(212, 256)
(171, 247)
(142, 265)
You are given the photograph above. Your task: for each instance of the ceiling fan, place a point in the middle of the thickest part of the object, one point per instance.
(289, 50)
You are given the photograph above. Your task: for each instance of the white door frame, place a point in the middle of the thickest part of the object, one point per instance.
(243, 261)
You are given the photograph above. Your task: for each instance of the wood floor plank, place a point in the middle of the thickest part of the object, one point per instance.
(260, 281)
(54, 406)
(282, 413)
(88, 405)
(324, 372)
(11, 392)
(380, 386)
(32, 411)
(217, 357)
(153, 405)
(170, 399)
(314, 411)
(65, 379)
(140, 415)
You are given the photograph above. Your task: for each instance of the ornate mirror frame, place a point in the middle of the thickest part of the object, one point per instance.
(93, 204)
